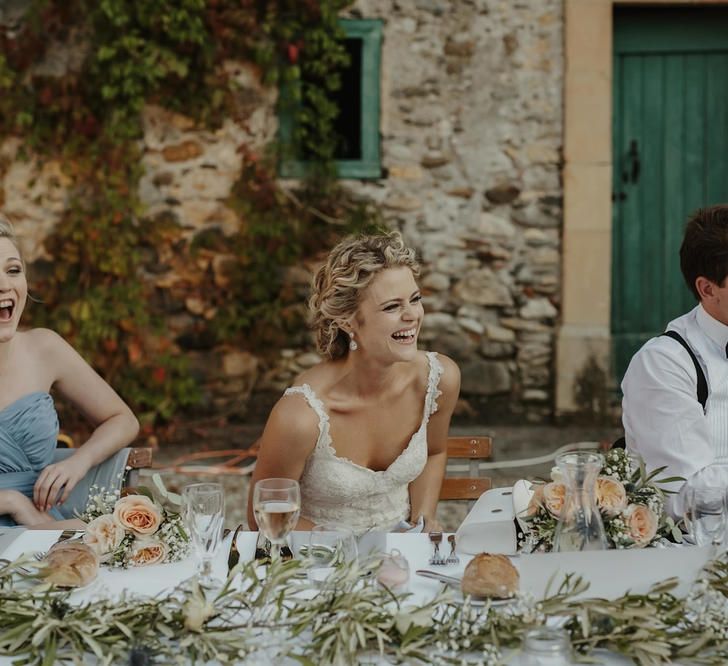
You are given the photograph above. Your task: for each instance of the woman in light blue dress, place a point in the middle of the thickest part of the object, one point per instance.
(33, 487)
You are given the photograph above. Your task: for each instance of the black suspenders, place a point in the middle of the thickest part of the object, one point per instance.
(702, 388)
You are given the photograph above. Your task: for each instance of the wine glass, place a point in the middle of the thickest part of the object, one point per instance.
(204, 514)
(276, 504)
(329, 546)
(705, 514)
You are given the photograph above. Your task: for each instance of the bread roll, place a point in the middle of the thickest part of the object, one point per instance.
(490, 576)
(71, 564)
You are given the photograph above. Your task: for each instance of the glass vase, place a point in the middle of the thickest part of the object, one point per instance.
(580, 525)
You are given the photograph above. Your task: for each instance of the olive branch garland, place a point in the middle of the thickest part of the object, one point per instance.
(277, 615)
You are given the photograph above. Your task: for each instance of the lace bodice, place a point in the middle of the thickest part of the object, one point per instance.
(335, 489)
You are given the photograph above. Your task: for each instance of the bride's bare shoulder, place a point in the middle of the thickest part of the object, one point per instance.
(319, 376)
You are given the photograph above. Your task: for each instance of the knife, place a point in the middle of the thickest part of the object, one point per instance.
(234, 553)
(262, 549)
(443, 578)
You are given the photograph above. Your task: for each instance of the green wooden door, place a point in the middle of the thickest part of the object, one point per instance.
(670, 148)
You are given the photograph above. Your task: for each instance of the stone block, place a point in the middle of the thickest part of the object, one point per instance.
(456, 344)
(436, 281)
(499, 333)
(493, 350)
(538, 308)
(483, 287)
(182, 152)
(482, 377)
(503, 193)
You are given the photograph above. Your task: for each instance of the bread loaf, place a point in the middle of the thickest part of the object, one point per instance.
(71, 564)
(489, 575)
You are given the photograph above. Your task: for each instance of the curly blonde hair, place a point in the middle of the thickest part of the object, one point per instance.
(339, 283)
(7, 231)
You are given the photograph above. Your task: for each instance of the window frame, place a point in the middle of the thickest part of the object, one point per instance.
(370, 164)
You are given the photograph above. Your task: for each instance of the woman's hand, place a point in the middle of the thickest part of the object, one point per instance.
(60, 476)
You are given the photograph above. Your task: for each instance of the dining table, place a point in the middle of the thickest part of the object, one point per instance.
(609, 573)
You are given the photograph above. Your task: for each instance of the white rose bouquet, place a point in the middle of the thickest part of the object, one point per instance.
(142, 527)
(631, 503)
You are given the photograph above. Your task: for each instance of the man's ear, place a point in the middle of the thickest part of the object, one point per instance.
(705, 288)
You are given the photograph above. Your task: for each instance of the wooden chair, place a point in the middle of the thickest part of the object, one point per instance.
(140, 457)
(474, 449)
(226, 461)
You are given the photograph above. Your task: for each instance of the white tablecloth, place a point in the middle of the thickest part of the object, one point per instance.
(611, 573)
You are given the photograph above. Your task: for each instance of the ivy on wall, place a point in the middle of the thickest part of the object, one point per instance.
(129, 53)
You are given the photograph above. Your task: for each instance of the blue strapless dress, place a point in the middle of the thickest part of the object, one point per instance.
(28, 439)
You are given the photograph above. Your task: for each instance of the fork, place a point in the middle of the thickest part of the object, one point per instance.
(452, 558)
(436, 540)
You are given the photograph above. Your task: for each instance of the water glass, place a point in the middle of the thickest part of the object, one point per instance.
(329, 546)
(546, 646)
(277, 505)
(705, 514)
(204, 515)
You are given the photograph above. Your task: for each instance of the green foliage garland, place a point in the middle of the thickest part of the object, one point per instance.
(348, 622)
(129, 53)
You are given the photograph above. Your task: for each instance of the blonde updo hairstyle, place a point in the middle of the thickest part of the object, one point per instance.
(339, 283)
(7, 231)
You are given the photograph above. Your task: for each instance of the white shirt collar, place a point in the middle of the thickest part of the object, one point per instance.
(713, 329)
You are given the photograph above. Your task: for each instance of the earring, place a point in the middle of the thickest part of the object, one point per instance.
(352, 343)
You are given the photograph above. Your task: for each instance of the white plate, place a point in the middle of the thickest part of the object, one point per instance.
(478, 602)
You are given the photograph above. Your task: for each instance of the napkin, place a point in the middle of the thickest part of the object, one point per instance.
(489, 526)
(404, 526)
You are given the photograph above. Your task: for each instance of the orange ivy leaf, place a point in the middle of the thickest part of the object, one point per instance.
(135, 351)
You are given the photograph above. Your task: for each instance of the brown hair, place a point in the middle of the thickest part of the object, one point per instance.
(704, 250)
(339, 283)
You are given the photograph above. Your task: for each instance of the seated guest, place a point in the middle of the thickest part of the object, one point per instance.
(365, 431)
(668, 418)
(31, 363)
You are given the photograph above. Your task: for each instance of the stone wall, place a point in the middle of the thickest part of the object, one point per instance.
(472, 139)
(471, 143)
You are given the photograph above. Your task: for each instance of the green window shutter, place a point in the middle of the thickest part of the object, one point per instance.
(368, 165)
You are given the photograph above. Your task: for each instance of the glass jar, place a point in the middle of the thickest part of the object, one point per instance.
(546, 646)
(580, 525)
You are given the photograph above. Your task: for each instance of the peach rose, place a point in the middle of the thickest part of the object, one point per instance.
(103, 535)
(641, 523)
(554, 495)
(138, 513)
(535, 503)
(146, 551)
(611, 495)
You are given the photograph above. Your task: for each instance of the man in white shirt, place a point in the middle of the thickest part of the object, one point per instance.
(664, 420)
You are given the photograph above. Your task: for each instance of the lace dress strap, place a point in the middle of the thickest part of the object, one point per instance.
(314, 403)
(433, 382)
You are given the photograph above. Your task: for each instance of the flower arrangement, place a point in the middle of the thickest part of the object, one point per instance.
(631, 503)
(142, 527)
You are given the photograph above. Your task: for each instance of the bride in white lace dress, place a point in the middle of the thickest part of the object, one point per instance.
(365, 431)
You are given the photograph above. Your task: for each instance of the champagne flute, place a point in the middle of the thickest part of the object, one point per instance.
(276, 504)
(204, 514)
